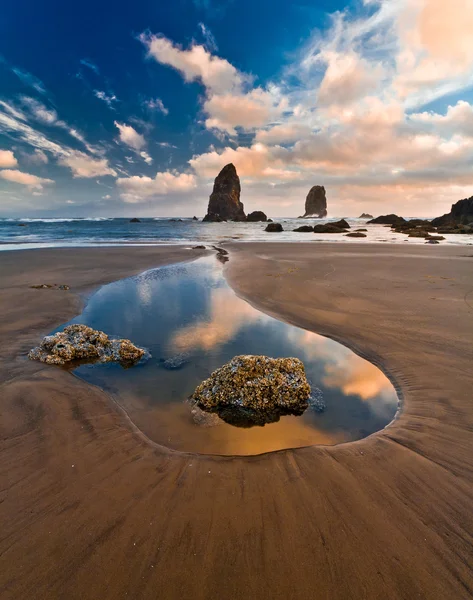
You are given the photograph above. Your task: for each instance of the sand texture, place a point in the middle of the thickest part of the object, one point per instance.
(90, 510)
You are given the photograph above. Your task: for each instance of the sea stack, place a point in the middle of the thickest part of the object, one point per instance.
(316, 203)
(224, 202)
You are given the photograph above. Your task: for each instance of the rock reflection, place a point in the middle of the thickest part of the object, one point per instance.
(192, 322)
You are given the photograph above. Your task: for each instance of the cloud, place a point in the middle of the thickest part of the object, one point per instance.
(90, 65)
(106, 197)
(458, 119)
(156, 104)
(7, 160)
(146, 157)
(194, 64)
(229, 103)
(130, 136)
(210, 42)
(109, 99)
(30, 80)
(38, 157)
(137, 189)
(85, 166)
(248, 111)
(31, 181)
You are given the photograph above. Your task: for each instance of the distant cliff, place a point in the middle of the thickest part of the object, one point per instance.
(316, 203)
(460, 214)
(224, 202)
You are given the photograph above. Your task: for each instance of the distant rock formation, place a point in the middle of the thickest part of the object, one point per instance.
(387, 220)
(135, 220)
(365, 216)
(274, 227)
(460, 214)
(342, 224)
(224, 202)
(304, 229)
(316, 203)
(328, 228)
(257, 216)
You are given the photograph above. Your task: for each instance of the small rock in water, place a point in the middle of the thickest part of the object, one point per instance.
(79, 342)
(198, 247)
(254, 390)
(175, 362)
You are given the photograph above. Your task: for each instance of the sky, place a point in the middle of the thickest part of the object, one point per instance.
(132, 108)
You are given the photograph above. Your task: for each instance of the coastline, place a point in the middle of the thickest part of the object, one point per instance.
(388, 516)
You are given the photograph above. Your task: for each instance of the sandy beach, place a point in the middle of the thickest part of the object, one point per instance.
(90, 509)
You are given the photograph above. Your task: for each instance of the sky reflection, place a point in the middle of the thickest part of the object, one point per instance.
(190, 312)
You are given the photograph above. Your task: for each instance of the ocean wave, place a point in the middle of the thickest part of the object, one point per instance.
(56, 220)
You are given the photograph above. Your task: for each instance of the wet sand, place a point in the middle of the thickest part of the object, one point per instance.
(89, 509)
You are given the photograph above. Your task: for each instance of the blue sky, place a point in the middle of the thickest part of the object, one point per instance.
(133, 108)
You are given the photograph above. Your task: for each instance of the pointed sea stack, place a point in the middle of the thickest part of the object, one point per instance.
(316, 203)
(224, 202)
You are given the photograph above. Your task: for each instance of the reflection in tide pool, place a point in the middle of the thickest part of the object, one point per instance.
(192, 323)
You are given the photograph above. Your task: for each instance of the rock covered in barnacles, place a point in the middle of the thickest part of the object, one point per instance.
(79, 342)
(259, 387)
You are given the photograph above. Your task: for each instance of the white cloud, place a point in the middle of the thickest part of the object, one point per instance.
(31, 181)
(109, 99)
(130, 136)
(7, 160)
(208, 37)
(156, 104)
(146, 157)
(89, 64)
(85, 166)
(458, 119)
(30, 80)
(39, 111)
(106, 197)
(195, 64)
(136, 189)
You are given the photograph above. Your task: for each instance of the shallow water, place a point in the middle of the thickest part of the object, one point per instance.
(188, 313)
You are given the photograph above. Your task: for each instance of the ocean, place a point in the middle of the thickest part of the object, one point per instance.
(16, 234)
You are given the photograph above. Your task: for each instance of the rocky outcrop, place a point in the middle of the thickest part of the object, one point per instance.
(224, 202)
(342, 224)
(387, 220)
(135, 220)
(365, 216)
(257, 216)
(328, 228)
(355, 234)
(274, 227)
(316, 203)
(254, 390)
(304, 229)
(461, 213)
(79, 342)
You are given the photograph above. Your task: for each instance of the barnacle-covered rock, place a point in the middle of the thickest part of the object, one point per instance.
(255, 390)
(79, 342)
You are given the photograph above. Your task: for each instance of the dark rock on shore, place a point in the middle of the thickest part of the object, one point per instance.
(342, 224)
(224, 202)
(79, 342)
(316, 203)
(254, 390)
(461, 213)
(304, 229)
(135, 220)
(195, 219)
(274, 227)
(365, 216)
(356, 234)
(328, 228)
(388, 220)
(361, 230)
(200, 247)
(257, 216)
